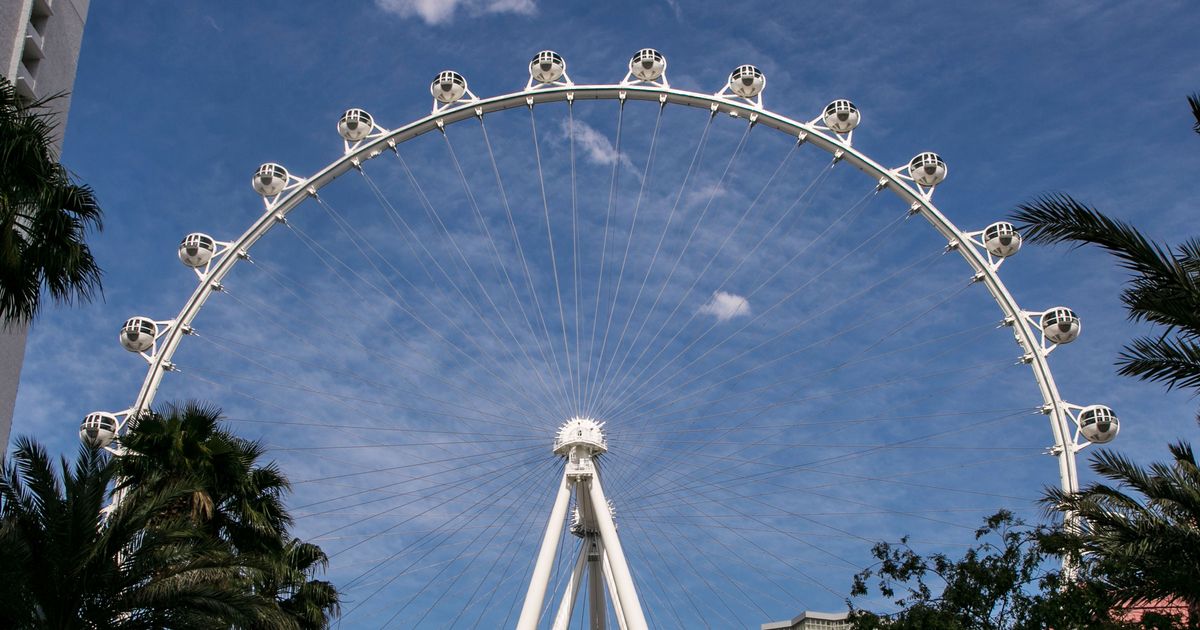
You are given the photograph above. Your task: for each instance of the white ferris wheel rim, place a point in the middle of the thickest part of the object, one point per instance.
(171, 332)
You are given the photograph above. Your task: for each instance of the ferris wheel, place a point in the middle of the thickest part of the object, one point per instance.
(615, 354)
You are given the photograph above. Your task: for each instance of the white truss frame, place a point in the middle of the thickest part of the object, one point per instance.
(919, 199)
(631, 79)
(600, 552)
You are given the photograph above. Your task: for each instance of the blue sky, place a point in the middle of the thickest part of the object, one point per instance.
(767, 464)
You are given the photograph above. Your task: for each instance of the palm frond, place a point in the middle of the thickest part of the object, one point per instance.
(245, 511)
(1059, 218)
(34, 466)
(1157, 302)
(1175, 362)
(1147, 540)
(1166, 288)
(1194, 102)
(45, 215)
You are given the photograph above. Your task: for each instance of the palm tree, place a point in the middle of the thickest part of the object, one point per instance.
(287, 581)
(1147, 547)
(63, 565)
(1164, 290)
(236, 501)
(1142, 535)
(44, 215)
(234, 498)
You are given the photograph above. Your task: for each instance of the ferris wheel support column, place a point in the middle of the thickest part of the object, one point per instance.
(566, 608)
(622, 579)
(532, 609)
(608, 579)
(597, 578)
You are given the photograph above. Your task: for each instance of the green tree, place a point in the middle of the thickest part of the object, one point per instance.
(1141, 534)
(288, 581)
(235, 500)
(44, 215)
(1164, 289)
(1000, 583)
(64, 565)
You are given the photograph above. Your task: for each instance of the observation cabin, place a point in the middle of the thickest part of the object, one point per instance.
(98, 429)
(841, 116)
(270, 179)
(1061, 325)
(547, 67)
(1001, 239)
(1098, 424)
(196, 250)
(138, 334)
(747, 81)
(354, 125)
(927, 169)
(448, 87)
(648, 64)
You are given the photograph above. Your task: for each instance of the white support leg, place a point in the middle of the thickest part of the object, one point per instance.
(567, 606)
(608, 579)
(626, 592)
(531, 611)
(598, 605)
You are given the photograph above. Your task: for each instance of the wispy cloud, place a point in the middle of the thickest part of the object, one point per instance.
(444, 11)
(725, 306)
(596, 147)
(674, 4)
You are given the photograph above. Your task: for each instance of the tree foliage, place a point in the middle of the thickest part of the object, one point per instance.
(44, 215)
(1001, 583)
(199, 538)
(1141, 533)
(236, 500)
(1139, 536)
(1164, 289)
(63, 565)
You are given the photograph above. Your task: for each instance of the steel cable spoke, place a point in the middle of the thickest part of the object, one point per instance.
(725, 241)
(612, 193)
(537, 305)
(562, 317)
(431, 210)
(637, 206)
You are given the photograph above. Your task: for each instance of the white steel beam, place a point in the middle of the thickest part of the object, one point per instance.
(597, 604)
(608, 579)
(531, 610)
(626, 591)
(567, 606)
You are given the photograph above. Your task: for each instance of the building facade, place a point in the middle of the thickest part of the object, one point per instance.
(811, 620)
(39, 48)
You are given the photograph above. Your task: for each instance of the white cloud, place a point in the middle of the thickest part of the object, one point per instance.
(443, 11)
(705, 193)
(674, 4)
(725, 306)
(595, 146)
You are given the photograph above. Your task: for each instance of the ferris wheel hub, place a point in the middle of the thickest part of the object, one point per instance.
(585, 433)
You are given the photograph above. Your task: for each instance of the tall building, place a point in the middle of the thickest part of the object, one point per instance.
(39, 47)
(811, 620)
